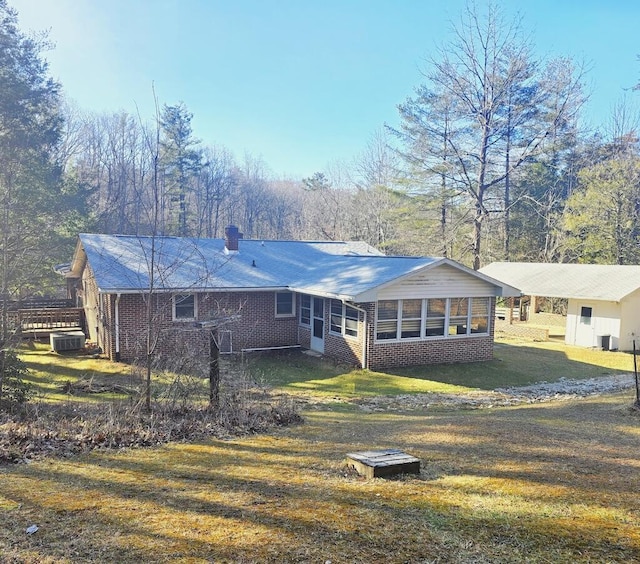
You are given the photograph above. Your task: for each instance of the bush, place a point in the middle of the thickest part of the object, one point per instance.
(15, 390)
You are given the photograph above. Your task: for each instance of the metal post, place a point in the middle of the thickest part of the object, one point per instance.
(214, 371)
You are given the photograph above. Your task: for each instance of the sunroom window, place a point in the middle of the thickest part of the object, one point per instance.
(458, 316)
(344, 319)
(387, 322)
(305, 309)
(436, 316)
(480, 315)
(432, 318)
(411, 319)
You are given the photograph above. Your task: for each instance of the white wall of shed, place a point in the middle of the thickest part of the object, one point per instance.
(605, 320)
(630, 321)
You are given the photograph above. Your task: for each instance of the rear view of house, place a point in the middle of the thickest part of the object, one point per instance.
(342, 299)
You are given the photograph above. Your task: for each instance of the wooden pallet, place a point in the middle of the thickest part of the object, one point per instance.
(382, 463)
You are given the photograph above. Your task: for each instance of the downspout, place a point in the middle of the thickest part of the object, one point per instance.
(366, 334)
(117, 325)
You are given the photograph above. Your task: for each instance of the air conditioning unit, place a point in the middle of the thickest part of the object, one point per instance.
(70, 341)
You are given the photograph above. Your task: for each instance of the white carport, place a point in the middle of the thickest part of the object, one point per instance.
(603, 300)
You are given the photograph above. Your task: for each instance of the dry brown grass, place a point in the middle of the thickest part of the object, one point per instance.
(555, 482)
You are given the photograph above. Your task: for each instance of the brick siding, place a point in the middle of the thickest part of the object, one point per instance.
(256, 326)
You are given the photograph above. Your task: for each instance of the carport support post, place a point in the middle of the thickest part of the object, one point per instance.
(635, 371)
(214, 371)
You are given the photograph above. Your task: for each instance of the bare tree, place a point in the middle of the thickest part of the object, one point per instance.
(496, 93)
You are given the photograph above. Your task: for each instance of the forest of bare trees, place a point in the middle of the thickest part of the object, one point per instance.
(488, 161)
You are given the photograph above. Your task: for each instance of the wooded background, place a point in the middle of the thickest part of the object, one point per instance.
(489, 162)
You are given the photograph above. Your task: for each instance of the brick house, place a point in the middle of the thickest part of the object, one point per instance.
(345, 300)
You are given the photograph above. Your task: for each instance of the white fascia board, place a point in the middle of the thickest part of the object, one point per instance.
(321, 294)
(79, 260)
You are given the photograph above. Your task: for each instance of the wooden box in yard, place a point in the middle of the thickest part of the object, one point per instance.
(381, 463)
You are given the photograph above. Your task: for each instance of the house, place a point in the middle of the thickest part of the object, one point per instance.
(342, 299)
(603, 301)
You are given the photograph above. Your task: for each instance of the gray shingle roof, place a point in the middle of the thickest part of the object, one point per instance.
(580, 281)
(340, 269)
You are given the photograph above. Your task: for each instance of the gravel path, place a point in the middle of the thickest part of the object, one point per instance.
(564, 389)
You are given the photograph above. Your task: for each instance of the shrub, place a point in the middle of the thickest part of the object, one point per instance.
(15, 390)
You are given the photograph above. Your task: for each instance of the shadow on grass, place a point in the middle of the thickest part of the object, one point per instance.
(513, 365)
(538, 483)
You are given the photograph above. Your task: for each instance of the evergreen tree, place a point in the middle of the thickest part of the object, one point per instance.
(32, 198)
(31, 191)
(181, 160)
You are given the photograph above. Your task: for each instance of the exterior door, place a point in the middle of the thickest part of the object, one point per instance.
(585, 330)
(317, 324)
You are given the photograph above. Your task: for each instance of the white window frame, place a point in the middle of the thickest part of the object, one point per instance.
(291, 313)
(448, 318)
(343, 320)
(303, 298)
(174, 302)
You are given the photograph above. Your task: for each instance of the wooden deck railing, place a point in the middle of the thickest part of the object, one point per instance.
(37, 321)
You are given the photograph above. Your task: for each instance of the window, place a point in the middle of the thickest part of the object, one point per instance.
(436, 316)
(351, 318)
(480, 315)
(285, 304)
(585, 315)
(335, 325)
(411, 319)
(433, 317)
(184, 307)
(387, 320)
(305, 310)
(458, 316)
(344, 319)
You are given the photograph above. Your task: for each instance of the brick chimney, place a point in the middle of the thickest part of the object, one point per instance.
(232, 236)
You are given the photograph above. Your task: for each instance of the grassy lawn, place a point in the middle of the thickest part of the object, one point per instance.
(547, 483)
(516, 363)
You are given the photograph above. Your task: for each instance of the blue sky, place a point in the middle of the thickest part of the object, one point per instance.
(300, 83)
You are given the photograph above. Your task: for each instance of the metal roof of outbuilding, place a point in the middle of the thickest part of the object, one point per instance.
(580, 281)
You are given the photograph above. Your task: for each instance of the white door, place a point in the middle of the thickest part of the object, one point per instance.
(585, 328)
(317, 324)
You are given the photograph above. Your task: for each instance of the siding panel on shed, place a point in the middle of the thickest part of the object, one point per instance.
(441, 282)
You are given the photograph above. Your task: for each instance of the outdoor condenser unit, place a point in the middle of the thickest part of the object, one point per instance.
(71, 341)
